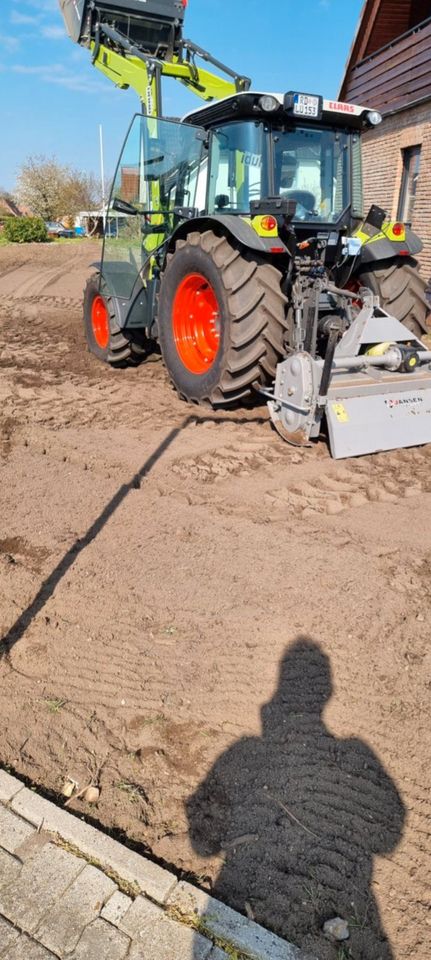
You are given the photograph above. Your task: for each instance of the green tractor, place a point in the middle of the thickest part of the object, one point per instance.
(237, 242)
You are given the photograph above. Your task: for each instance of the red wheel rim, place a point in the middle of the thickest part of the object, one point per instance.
(100, 322)
(196, 323)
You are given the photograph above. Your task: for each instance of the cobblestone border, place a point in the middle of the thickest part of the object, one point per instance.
(142, 895)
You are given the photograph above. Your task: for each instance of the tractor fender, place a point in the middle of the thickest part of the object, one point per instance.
(134, 310)
(385, 249)
(229, 226)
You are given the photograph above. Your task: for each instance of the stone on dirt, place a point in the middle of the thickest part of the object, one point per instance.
(336, 929)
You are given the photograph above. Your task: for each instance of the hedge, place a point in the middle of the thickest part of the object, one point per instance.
(25, 230)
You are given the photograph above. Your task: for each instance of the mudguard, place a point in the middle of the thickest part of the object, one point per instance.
(385, 245)
(240, 228)
(137, 310)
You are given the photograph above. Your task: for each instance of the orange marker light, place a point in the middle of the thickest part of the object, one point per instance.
(398, 229)
(268, 223)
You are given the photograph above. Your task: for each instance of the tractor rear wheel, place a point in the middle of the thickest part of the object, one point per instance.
(104, 337)
(221, 319)
(401, 289)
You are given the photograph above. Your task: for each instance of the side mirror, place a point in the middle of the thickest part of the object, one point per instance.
(123, 206)
(222, 201)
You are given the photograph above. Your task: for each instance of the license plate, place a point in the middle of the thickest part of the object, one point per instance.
(305, 106)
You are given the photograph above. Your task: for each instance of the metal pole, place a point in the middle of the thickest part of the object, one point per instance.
(102, 177)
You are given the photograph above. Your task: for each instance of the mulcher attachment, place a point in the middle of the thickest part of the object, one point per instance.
(153, 26)
(373, 389)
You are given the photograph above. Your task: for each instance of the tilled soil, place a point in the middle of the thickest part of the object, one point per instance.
(229, 635)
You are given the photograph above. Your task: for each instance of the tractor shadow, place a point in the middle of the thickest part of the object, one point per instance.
(52, 581)
(299, 815)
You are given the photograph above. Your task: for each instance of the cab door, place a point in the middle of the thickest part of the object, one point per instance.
(159, 172)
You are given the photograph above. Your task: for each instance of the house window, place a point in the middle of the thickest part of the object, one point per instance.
(409, 182)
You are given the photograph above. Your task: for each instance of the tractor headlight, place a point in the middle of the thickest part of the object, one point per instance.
(268, 104)
(374, 117)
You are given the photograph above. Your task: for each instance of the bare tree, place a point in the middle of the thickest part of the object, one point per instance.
(54, 191)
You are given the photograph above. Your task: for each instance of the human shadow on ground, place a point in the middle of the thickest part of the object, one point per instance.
(298, 816)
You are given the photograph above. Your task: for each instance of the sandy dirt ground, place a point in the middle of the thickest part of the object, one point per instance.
(229, 635)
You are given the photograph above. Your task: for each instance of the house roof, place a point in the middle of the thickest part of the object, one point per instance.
(382, 22)
(9, 206)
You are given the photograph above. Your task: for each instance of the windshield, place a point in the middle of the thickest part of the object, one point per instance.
(308, 164)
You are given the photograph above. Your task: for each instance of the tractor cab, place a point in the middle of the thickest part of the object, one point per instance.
(297, 147)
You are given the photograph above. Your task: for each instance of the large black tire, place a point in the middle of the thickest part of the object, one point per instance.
(122, 348)
(401, 289)
(252, 319)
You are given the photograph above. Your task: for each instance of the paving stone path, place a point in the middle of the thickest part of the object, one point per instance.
(69, 892)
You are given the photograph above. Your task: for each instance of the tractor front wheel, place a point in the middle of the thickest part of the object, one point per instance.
(401, 289)
(221, 319)
(104, 337)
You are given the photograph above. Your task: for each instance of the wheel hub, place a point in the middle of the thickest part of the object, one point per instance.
(196, 323)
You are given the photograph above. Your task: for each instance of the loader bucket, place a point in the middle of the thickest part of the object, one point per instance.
(152, 25)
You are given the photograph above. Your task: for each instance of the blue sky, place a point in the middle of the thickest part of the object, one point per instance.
(52, 100)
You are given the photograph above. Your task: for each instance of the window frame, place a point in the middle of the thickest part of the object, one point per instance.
(410, 157)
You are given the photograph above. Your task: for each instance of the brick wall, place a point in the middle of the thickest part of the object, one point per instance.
(382, 160)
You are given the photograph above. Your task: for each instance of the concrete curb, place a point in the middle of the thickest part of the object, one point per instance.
(208, 925)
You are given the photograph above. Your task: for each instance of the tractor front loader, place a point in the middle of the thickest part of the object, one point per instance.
(238, 243)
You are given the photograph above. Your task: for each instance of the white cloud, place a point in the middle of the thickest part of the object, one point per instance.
(54, 33)
(59, 75)
(38, 71)
(11, 43)
(23, 19)
(48, 6)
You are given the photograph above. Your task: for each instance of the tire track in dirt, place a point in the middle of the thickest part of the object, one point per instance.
(319, 486)
(28, 280)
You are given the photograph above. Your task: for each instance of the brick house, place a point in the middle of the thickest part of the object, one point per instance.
(389, 69)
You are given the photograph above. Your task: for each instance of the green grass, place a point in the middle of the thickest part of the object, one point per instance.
(134, 792)
(158, 718)
(54, 704)
(73, 240)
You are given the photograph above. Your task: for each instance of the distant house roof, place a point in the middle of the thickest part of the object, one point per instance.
(381, 22)
(8, 206)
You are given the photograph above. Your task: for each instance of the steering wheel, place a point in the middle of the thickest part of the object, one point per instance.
(301, 212)
(305, 201)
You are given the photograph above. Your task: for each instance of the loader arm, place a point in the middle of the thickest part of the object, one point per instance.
(141, 74)
(135, 43)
